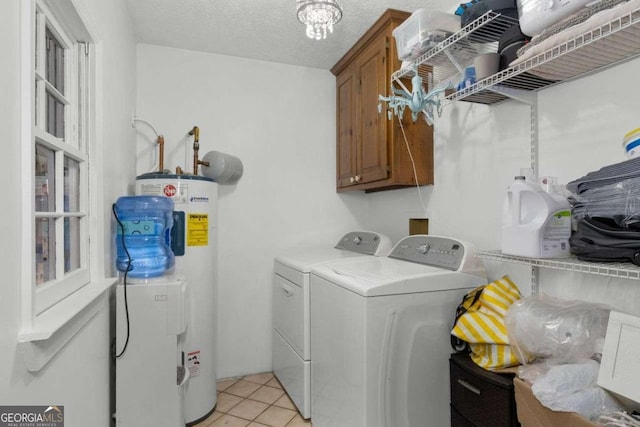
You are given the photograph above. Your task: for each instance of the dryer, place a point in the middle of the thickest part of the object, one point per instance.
(291, 300)
(380, 331)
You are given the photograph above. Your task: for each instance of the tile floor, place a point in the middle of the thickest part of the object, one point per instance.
(253, 401)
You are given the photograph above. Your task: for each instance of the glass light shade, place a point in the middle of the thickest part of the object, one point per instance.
(319, 16)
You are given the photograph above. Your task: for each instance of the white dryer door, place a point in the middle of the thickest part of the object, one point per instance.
(289, 313)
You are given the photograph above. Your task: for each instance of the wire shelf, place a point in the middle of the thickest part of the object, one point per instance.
(461, 45)
(605, 45)
(621, 270)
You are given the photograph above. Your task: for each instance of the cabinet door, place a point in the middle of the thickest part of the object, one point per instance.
(371, 158)
(346, 139)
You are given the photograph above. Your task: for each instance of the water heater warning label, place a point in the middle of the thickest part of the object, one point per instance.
(177, 191)
(197, 229)
(193, 363)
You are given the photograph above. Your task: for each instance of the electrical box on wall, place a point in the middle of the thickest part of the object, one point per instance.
(418, 226)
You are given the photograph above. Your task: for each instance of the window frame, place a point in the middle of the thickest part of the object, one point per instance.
(78, 144)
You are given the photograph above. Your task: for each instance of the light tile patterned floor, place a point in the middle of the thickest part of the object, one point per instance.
(254, 401)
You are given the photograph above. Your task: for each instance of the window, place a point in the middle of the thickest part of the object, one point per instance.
(60, 120)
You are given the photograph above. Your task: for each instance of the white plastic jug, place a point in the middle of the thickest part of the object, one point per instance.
(536, 223)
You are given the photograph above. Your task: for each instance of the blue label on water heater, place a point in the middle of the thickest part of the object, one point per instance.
(197, 199)
(178, 233)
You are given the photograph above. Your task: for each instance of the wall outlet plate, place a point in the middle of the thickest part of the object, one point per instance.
(418, 226)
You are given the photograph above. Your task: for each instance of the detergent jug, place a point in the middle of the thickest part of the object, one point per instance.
(536, 223)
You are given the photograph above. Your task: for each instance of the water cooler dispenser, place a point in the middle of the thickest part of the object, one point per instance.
(152, 317)
(150, 378)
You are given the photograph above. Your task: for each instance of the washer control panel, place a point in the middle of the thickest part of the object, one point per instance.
(364, 242)
(435, 251)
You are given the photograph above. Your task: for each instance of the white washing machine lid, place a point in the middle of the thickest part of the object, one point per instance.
(419, 263)
(304, 259)
(386, 276)
(353, 244)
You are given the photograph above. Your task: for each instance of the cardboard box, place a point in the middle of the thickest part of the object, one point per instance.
(531, 413)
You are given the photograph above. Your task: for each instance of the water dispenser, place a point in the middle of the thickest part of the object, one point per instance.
(143, 237)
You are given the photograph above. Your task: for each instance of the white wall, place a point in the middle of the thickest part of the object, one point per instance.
(78, 377)
(479, 149)
(280, 121)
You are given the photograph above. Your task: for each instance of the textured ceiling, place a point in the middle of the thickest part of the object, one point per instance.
(259, 29)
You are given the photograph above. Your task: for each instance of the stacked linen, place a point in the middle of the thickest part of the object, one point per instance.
(596, 51)
(605, 208)
(577, 18)
(610, 192)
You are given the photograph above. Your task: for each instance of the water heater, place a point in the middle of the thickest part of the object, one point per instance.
(194, 243)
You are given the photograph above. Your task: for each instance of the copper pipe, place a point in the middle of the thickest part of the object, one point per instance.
(196, 146)
(161, 155)
(196, 133)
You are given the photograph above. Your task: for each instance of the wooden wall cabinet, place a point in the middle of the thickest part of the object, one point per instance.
(371, 151)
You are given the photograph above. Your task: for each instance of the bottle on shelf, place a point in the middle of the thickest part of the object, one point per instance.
(536, 223)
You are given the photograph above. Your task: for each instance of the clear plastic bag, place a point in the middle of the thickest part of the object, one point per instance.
(619, 200)
(540, 326)
(531, 372)
(573, 388)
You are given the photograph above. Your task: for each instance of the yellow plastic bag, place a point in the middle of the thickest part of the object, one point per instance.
(482, 325)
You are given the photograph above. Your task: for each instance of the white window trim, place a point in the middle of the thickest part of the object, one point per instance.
(43, 334)
(64, 284)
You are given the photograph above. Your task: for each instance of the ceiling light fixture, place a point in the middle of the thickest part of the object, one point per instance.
(319, 16)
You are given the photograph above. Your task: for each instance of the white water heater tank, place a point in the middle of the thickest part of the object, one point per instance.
(194, 243)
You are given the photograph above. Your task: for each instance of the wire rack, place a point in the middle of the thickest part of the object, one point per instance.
(600, 47)
(459, 49)
(622, 270)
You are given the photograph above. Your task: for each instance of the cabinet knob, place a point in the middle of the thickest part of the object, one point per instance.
(358, 177)
(352, 180)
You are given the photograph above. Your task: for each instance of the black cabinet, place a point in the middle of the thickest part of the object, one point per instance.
(480, 398)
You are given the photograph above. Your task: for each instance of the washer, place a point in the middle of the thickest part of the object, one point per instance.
(380, 333)
(291, 334)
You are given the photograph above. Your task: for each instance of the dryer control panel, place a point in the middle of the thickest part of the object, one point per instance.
(442, 252)
(364, 242)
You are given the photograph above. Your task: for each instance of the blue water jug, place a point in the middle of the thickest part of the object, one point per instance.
(145, 229)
